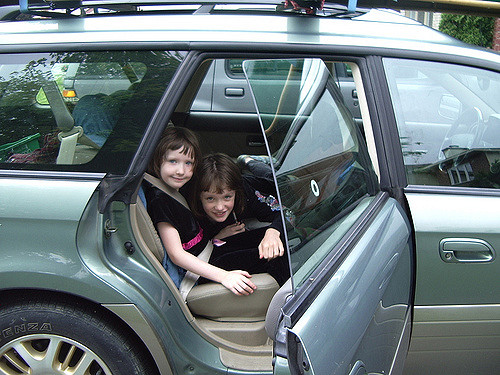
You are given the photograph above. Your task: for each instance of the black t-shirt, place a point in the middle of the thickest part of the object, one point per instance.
(163, 208)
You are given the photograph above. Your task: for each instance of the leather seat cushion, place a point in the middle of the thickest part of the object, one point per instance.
(215, 301)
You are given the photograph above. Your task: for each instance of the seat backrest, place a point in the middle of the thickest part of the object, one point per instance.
(147, 229)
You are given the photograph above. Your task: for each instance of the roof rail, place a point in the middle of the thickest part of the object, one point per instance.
(59, 8)
(489, 8)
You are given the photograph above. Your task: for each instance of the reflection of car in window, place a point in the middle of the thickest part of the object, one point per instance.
(225, 89)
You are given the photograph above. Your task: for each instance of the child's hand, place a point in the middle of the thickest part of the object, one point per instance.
(271, 246)
(239, 282)
(230, 230)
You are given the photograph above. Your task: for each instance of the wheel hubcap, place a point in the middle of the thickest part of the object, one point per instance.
(49, 355)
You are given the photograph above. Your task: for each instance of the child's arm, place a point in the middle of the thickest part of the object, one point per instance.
(230, 230)
(237, 281)
(271, 245)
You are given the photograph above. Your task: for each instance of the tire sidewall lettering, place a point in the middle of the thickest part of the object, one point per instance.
(24, 328)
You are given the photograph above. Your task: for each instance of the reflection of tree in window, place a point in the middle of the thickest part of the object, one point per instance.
(25, 112)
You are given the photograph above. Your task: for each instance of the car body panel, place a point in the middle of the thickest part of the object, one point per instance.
(472, 330)
(46, 212)
(239, 29)
(456, 300)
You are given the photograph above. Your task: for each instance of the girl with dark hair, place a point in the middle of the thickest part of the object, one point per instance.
(224, 199)
(172, 165)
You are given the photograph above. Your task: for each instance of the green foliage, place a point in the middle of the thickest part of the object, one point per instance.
(469, 29)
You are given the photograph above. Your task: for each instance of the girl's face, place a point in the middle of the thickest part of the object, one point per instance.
(177, 168)
(218, 206)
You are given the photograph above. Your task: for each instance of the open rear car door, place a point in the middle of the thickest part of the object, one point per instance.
(347, 309)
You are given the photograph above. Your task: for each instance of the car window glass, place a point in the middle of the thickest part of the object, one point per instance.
(448, 121)
(225, 91)
(82, 111)
(323, 173)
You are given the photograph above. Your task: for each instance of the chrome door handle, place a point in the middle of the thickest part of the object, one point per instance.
(466, 250)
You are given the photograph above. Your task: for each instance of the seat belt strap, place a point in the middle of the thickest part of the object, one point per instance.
(190, 278)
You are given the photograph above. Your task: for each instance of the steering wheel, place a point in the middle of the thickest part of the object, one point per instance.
(465, 133)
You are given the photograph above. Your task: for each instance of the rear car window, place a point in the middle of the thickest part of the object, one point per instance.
(81, 111)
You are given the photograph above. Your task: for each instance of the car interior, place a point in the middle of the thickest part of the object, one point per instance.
(235, 324)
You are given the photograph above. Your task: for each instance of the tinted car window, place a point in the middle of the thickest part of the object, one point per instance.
(449, 122)
(324, 176)
(78, 110)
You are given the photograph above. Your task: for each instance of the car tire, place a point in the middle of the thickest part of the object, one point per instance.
(58, 338)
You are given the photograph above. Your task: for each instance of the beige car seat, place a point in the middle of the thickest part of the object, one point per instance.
(213, 300)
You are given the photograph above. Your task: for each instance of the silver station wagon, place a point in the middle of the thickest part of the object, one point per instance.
(383, 137)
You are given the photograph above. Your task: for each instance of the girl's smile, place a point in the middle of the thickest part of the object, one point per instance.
(177, 168)
(218, 206)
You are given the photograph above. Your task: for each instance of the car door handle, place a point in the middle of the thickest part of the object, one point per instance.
(255, 141)
(466, 250)
(234, 91)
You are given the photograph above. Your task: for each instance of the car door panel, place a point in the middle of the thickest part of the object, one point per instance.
(359, 315)
(466, 282)
(349, 243)
(438, 331)
(456, 302)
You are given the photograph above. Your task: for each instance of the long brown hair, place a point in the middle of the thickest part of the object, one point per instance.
(175, 138)
(215, 173)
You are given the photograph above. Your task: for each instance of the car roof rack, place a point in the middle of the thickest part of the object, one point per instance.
(337, 8)
(72, 8)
